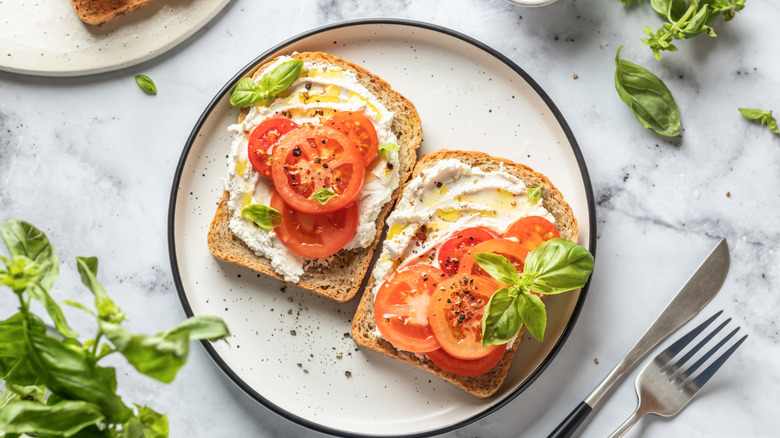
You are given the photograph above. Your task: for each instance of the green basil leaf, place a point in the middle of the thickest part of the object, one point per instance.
(662, 7)
(150, 424)
(195, 328)
(697, 24)
(22, 273)
(15, 368)
(247, 93)
(265, 217)
(66, 418)
(558, 265)
(753, 113)
(107, 310)
(53, 309)
(386, 148)
(500, 321)
(772, 124)
(498, 267)
(323, 195)
(763, 117)
(534, 194)
(24, 239)
(146, 83)
(281, 77)
(15, 393)
(647, 96)
(70, 374)
(79, 306)
(155, 356)
(531, 310)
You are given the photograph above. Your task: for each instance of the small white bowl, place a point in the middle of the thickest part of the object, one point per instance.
(531, 3)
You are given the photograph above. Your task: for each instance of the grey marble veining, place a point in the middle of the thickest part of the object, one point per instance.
(91, 160)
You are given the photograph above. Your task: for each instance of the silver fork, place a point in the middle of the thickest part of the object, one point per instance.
(663, 388)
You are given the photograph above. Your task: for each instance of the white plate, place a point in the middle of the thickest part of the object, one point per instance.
(469, 97)
(47, 38)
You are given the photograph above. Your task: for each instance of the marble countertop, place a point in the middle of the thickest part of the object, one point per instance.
(90, 161)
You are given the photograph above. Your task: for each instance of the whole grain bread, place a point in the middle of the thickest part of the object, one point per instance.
(341, 277)
(97, 12)
(484, 385)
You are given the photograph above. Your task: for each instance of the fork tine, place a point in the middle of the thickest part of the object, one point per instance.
(668, 354)
(676, 366)
(692, 369)
(705, 375)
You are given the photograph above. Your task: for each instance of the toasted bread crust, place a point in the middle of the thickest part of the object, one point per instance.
(97, 12)
(483, 385)
(341, 278)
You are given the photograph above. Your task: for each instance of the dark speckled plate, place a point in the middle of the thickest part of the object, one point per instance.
(291, 350)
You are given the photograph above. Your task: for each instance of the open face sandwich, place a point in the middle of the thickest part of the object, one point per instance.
(320, 151)
(438, 272)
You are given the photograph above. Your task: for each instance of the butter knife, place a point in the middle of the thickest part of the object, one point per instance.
(694, 295)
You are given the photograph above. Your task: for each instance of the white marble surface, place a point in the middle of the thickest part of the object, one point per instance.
(90, 160)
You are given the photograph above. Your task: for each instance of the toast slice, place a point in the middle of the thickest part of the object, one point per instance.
(97, 12)
(341, 277)
(484, 385)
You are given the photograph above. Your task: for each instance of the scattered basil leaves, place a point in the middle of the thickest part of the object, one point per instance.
(647, 96)
(761, 116)
(54, 385)
(555, 266)
(323, 195)
(147, 84)
(265, 217)
(247, 92)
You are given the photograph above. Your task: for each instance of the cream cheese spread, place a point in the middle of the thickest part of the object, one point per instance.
(447, 198)
(317, 94)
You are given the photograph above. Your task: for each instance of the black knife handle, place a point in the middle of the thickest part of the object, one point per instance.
(570, 424)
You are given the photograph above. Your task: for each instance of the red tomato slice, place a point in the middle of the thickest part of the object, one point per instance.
(359, 129)
(262, 141)
(513, 251)
(532, 231)
(315, 236)
(455, 315)
(312, 158)
(463, 367)
(452, 250)
(401, 308)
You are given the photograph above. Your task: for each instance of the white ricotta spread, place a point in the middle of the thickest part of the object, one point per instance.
(445, 199)
(318, 93)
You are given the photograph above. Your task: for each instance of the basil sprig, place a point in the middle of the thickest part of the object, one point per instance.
(555, 266)
(323, 195)
(147, 84)
(763, 117)
(247, 92)
(54, 384)
(647, 96)
(686, 19)
(265, 217)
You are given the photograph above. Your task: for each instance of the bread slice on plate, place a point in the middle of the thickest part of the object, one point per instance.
(97, 12)
(339, 276)
(364, 327)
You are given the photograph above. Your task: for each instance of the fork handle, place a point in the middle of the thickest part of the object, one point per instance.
(572, 421)
(620, 431)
